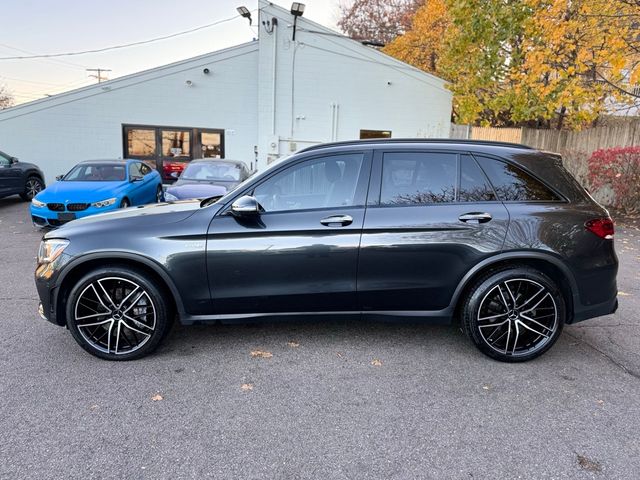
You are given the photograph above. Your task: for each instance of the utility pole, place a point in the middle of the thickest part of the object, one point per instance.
(98, 74)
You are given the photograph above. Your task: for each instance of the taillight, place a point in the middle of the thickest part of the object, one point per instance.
(602, 227)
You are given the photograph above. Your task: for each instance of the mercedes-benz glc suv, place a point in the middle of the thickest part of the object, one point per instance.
(499, 238)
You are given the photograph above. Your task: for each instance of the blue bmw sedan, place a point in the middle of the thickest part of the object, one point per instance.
(93, 187)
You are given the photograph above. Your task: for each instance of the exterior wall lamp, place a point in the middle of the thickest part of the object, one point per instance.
(297, 10)
(244, 12)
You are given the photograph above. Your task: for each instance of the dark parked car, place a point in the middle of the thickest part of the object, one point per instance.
(498, 237)
(207, 178)
(19, 178)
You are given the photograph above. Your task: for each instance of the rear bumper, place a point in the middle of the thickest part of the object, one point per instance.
(585, 312)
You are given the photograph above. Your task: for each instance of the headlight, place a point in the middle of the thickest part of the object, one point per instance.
(104, 203)
(169, 198)
(37, 203)
(51, 249)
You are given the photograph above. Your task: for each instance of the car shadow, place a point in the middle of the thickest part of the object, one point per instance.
(346, 334)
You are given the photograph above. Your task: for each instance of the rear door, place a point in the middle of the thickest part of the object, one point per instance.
(431, 216)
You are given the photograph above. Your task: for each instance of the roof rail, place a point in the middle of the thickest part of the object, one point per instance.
(416, 140)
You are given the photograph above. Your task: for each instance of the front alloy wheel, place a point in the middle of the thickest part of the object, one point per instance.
(514, 315)
(32, 187)
(117, 314)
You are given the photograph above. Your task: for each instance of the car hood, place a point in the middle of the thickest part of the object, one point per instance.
(85, 192)
(186, 190)
(138, 217)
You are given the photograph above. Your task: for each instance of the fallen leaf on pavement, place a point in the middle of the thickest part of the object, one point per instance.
(293, 344)
(486, 387)
(623, 294)
(94, 407)
(376, 363)
(261, 354)
(246, 387)
(157, 397)
(600, 402)
(588, 464)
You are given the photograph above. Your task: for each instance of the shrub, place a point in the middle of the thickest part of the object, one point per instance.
(617, 170)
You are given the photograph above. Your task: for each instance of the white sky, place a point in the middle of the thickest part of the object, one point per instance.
(44, 26)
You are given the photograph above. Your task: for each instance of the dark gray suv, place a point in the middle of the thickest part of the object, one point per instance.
(497, 237)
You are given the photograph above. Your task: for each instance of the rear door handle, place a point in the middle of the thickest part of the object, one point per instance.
(337, 221)
(478, 217)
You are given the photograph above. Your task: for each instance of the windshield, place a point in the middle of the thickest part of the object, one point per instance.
(212, 171)
(96, 172)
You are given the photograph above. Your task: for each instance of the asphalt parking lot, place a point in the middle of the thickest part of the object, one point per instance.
(340, 399)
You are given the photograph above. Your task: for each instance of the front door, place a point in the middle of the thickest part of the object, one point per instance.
(431, 216)
(300, 254)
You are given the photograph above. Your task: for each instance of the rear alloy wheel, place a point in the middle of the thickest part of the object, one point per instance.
(159, 195)
(117, 314)
(514, 315)
(125, 203)
(32, 187)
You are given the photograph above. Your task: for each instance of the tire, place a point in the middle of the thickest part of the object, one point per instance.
(32, 186)
(514, 315)
(125, 203)
(118, 313)
(159, 194)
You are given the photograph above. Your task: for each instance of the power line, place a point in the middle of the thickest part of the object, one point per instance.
(142, 42)
(53, 61)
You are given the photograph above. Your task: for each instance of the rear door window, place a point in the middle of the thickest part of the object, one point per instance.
(513, 184)
(418, 178)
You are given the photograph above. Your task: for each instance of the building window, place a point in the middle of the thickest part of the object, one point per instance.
(210, 144)
(176, 143)
(167, 149)
(367, 134)
(141, 142)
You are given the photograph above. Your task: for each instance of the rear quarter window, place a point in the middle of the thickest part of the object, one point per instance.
(512, 184)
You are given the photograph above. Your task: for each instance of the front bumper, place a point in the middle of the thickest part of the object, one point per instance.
(46, 279)
(43, 217)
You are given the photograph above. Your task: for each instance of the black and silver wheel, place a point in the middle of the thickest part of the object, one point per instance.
(159, 195)
(514, 315)
(125, 203)
(32, 187)
(117, 314)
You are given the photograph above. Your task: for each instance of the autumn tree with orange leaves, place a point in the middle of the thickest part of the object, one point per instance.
(553, 63)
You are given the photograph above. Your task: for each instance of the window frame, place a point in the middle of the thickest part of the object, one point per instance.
(362, 188)
(560, 197)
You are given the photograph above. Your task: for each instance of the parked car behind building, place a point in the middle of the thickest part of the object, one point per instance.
(207, 178)
(19, 178)
(96, 186)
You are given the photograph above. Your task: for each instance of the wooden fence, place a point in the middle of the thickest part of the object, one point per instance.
(561, 141)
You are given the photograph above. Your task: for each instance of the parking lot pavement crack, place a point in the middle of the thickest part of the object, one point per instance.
(627, 370)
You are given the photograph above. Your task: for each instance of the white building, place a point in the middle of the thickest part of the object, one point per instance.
(254, 102)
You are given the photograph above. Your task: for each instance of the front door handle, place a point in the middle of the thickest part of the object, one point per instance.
(337, 221)
(478, 217)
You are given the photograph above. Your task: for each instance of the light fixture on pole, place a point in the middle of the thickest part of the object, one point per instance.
(297, 10)
(244, 12)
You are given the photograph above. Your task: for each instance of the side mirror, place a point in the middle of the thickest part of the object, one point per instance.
(245, 206)
(14, 160)
(59, 177)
